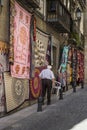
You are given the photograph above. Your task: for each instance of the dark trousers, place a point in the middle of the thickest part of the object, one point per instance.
(46, 87)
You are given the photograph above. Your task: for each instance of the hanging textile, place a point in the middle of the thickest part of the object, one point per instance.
(65, 55)
(32, 45)
(21, 66)
(4, 49)
(35, 85)
(2, 90)
(74, 66)
(63, 66)
(42, 41)
(16, 91)
(78, 65)
(12, 15)
(81, 67)
(69, 66)
(4, 61)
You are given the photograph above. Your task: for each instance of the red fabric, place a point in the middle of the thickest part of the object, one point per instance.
(35, 84)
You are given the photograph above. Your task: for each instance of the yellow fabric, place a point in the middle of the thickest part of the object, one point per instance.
(4, 47)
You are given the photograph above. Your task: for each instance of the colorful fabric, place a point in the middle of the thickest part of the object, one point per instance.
(42, 40)
(80, 64)
(74, 65)
(63, 66)
(2, 91)
(62, 75)
(12, 14)
(69, 66)
(21, 67)
(82, 67)
(4, 47)
(35, 85)
(4, 61)
(16, 91)
(69, 74)
(32, 45)
(65, 55)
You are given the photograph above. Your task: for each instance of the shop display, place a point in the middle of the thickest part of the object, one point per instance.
(16, 91)
(21, 66)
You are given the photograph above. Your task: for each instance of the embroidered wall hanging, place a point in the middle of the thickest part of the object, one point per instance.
(35, 85)
(42, 41)
(21, 66)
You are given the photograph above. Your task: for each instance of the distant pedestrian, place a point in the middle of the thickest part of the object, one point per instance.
(47, 78)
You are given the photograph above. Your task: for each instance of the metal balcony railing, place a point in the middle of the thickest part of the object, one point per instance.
(34, 3)
(30, 3)
(58, 15)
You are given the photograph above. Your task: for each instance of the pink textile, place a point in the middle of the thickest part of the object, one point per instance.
(21, 67)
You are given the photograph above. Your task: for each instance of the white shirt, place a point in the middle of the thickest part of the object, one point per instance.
(46, 74)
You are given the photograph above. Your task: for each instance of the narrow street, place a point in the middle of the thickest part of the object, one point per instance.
(67, 114)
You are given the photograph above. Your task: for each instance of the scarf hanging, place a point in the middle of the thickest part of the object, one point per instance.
(74, 66)
(69, 66)
(63, 66)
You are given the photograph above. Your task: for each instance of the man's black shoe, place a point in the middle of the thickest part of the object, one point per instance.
(42, 103)
(48, 103)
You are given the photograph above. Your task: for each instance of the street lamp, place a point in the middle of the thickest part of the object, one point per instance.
(78, 14)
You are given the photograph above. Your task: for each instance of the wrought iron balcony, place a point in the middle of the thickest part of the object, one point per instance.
(58, 16)
(34, 3)
(30, 3)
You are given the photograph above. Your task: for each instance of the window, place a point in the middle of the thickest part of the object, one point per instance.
(42, 9)
(53, 6)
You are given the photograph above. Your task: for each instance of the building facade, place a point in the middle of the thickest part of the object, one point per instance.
(32, 35)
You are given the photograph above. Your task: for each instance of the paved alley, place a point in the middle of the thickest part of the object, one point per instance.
(67, 114)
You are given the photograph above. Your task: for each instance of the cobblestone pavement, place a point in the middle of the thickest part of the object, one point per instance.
(67, 114)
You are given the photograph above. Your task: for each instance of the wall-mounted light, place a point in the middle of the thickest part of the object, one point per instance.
(1, 5)
(78, 14)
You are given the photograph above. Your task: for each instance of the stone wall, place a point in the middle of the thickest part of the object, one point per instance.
(4, 22)
(85, 50)
(57, 40)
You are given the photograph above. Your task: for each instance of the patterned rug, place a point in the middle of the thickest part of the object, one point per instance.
(42, 41)
(16, 91)
(35, 85)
